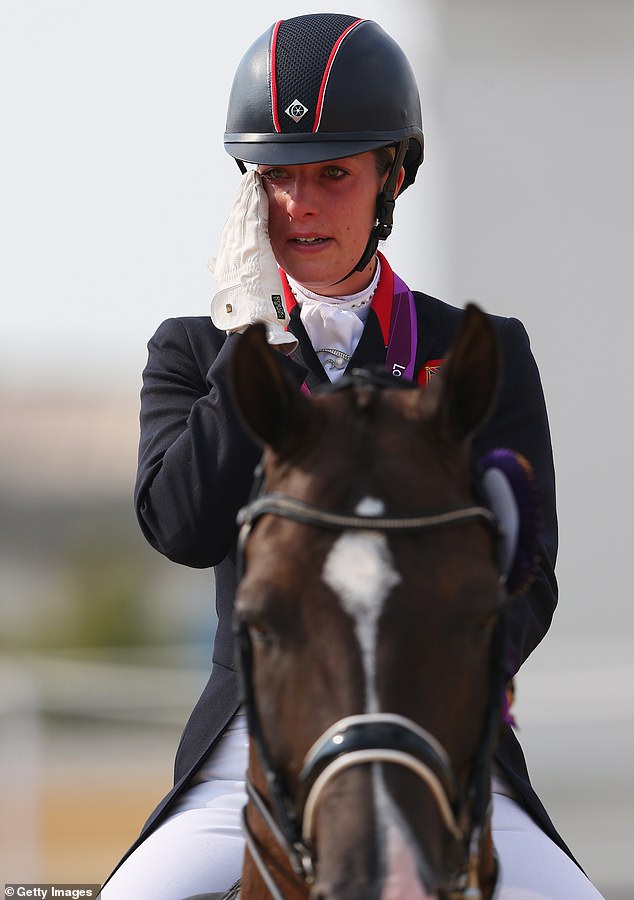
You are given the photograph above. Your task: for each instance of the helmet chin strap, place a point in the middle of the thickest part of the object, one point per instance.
(385, 203)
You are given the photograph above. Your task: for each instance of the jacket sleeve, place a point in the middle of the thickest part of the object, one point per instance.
(196, 461)
(519, 422)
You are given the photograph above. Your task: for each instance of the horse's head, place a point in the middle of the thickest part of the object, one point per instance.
(366, 614)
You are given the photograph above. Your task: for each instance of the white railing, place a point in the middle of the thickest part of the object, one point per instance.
(585, 685)
(32, 687)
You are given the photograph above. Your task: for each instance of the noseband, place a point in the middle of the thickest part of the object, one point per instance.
(368, 738)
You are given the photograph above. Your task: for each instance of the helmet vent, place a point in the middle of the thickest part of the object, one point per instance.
(301, 55)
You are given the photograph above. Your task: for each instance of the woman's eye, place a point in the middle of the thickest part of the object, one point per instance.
(272, 174)
(334, 172)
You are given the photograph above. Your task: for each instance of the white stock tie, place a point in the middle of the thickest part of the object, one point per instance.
(334, 324)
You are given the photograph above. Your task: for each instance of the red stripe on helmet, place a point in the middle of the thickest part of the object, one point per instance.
(276, 120)
(324, 81)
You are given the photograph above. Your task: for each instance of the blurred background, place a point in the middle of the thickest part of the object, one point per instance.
(113, 189)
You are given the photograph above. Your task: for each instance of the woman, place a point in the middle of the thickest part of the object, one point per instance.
(327, 108)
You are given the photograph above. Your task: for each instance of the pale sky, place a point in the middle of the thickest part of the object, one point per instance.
(114, 182)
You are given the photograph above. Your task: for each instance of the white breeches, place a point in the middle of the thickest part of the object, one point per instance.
(199, 847)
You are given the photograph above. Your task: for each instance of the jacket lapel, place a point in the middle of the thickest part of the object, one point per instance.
(370, 351)
(304, 355)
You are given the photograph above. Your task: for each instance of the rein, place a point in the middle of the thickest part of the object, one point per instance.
(367, 738)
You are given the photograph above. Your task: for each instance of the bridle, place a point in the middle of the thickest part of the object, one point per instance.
(369, 738)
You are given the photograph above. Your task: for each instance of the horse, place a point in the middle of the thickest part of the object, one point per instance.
(369, 623)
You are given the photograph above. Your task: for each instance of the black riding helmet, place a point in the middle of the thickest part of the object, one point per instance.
(324, 86)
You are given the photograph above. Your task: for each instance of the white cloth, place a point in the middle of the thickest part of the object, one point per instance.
(245, 270)
(199, 847)
(532, 866)
(334, 324)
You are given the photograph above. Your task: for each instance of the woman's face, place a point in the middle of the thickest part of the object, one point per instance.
(320, 218)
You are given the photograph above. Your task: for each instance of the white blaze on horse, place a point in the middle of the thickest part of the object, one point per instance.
(369, 621)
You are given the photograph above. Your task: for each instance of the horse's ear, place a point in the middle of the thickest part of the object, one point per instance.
(269, 402)
(469, 377)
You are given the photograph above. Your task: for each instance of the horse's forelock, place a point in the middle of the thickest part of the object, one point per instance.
(366, 397)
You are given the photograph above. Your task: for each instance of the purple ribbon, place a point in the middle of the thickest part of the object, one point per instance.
(401, 349)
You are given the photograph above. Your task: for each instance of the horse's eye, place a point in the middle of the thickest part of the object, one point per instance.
(488, 619)
(260, 634)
